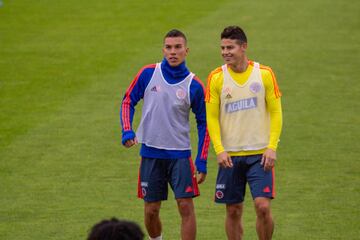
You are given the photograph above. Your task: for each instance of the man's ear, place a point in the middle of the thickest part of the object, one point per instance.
(244, 45)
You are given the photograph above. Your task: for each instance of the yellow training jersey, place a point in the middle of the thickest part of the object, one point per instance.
(244, 114)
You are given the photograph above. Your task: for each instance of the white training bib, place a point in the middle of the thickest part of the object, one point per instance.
(165, 114)
(244, 120)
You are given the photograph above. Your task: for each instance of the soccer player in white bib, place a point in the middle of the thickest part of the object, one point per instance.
(169, 91)
(244, 118)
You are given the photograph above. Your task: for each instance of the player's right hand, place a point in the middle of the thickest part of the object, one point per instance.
(224, 160)
(201, 177)
(131, 142)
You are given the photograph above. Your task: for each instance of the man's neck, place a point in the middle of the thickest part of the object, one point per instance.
(241, 66)
(174, 74)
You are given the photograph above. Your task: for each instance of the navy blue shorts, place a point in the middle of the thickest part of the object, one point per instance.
(231, 182)
(155, 175)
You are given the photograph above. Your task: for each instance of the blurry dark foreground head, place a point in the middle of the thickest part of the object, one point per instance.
(115, 229)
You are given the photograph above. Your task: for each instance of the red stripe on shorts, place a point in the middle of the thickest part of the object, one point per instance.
(194, 181)
(273, 182)
(139, 194)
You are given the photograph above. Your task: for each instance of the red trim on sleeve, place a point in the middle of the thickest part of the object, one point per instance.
(200, 82)
(276, 86)
(126, 103)
(207, 92)
(205, 149)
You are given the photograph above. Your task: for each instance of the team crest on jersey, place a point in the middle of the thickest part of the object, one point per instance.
(180, 94)
(219, 194)
(255, 87)
(227, 90)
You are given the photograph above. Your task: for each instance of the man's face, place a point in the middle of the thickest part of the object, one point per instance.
(232, 51)
(175, 50)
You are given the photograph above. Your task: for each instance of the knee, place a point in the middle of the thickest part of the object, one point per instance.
(152, 211)
(262, 209)
(234, 211)
(186, 207)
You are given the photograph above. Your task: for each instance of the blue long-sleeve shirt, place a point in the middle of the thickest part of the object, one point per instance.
(135, 93)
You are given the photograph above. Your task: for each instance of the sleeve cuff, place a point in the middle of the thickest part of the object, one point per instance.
(201, 166)
(219, 149)
(127, 135)
(273, 146)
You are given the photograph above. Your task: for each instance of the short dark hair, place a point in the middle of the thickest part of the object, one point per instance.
(175, 33)
(234, 33)
(115, 229)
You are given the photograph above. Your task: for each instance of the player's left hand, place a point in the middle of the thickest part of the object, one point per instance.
(201, 177)
(268, 159)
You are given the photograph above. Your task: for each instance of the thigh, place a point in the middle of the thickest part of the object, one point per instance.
(231, 182)
(261, 182)
(182, 178)
(153, 180)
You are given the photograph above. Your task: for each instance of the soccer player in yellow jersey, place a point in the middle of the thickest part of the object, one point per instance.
(244, 118)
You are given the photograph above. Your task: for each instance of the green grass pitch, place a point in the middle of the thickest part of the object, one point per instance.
(65, 65)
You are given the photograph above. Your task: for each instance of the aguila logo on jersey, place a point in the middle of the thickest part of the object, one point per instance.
(255, 87)
(242, 104)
